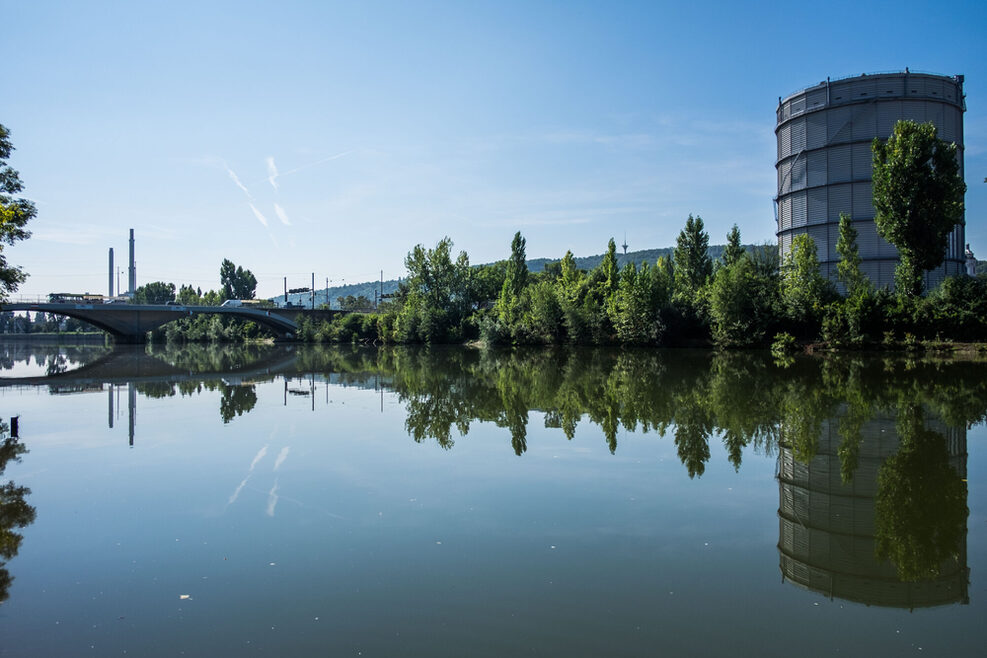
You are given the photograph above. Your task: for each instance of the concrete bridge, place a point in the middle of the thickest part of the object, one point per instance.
(129, 323)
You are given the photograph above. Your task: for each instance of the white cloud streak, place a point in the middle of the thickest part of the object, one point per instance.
(272, 173)
(282, 215)
(258, 214)
(236, 180)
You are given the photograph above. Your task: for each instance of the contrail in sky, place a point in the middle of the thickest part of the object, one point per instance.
(272, 173)
(282, 215)
(317, 162)
(236, 179)
(258, 214)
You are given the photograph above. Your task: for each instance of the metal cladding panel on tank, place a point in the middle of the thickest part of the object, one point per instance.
(824, 164)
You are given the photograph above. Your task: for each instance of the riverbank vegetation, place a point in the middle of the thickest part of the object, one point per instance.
(745, 298)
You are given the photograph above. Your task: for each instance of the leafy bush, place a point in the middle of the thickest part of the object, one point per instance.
(784, 344)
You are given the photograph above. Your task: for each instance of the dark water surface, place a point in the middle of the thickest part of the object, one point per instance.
(453, 502)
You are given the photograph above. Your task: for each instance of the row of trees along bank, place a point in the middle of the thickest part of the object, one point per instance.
(745, 298)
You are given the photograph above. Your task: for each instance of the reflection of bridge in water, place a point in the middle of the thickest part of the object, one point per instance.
(828, 528)
(130, 368)
(129, 323)
(134, 366)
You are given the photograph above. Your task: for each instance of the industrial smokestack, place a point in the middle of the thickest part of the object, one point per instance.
(132, 279)
(111, 271)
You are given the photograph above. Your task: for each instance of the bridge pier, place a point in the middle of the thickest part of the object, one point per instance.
(128, 339)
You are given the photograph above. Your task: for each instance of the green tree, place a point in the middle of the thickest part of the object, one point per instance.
(610, 270)
(918, 196)
(804, 290)
(515, 281)
(663, 281)
(741, 304)
(14, 216)
(608, 284)
(635, 317)
(237, 282)
(487, 282)
(351, 303)
(545, 317)
(437, 294)
(848, 270)
(851, 320)
(693, 265)
(569, 278)
(157, 292)
(734, 250)
(571, 292)
(188, 296)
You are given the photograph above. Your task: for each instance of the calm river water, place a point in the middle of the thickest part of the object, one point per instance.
(221, 501)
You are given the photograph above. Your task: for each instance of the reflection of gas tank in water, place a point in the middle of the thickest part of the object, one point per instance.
(829, 529)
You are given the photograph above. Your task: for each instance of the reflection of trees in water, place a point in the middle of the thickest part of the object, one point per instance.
(156, 389)
(55, 364)
(214, 357)
(921, 506)
(236, 401)
(53, 357)
(878, 514)
(14, 510)
(745, 399)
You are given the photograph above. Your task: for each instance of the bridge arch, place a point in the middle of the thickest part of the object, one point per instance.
(129, 323)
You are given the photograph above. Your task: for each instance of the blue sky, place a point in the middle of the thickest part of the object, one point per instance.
(300, 137)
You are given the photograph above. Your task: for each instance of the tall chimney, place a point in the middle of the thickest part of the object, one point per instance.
(111, 271)
(132, 280)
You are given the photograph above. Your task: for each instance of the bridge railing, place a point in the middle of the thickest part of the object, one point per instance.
(26, 299)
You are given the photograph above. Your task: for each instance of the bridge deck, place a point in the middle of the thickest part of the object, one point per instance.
(130, 323)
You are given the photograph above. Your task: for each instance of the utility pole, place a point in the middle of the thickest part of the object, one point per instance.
(313, 291)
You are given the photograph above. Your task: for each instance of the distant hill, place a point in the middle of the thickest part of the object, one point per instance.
(649, 256)
(367, 289)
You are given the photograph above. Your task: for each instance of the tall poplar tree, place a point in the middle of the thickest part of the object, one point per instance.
(514, 282)
(693, 265)
(848, 269)
(734, 250)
